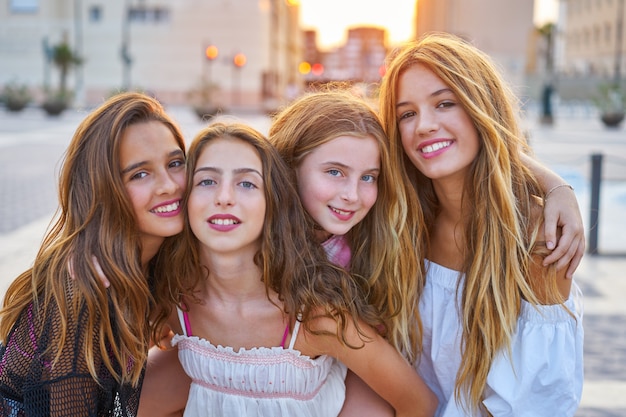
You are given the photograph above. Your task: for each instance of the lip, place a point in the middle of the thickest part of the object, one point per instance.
(223, 222)
(434, 147)
(171, 211)
(345, 215)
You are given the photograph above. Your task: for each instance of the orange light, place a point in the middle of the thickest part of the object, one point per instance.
(292, 2)
(239, 60)
(382, 70)
(317, 69)
(211, 52)
(304, 68)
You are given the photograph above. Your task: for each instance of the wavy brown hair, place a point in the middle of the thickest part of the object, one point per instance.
(95, 218)
(290, 263)
(384, 259)
(500, 234)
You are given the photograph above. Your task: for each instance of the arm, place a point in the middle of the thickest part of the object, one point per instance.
(166, 385)
(378, 364)
(361, 400)
(561, 210)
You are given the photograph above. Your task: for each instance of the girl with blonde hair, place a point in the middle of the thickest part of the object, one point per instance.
(502, 332)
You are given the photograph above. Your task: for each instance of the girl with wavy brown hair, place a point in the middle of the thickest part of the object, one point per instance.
(265, 324)
(75, 343)
(502, 332)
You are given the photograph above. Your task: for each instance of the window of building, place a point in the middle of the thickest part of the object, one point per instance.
(144, 14)
(24, 6)
(95, 13)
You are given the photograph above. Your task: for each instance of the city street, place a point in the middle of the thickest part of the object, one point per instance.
(32, 145)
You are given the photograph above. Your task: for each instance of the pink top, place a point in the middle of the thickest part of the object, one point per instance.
(338, 250)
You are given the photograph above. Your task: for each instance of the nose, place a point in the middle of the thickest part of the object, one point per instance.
(427, 122)
(224, 195)
(350, 191)
(167, 183)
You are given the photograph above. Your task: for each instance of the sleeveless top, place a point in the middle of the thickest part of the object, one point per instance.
(261, 381)
(543, 376)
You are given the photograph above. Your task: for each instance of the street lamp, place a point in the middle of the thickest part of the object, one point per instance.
(239, 61)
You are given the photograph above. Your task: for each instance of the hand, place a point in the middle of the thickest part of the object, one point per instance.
(99, 271)
(561, 210)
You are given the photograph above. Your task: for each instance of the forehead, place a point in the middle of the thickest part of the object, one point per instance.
(229, 153)
(357, 149)
(144, 140)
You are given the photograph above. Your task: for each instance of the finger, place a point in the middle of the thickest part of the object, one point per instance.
(576, 260)
(565, 245)
(100, 272)
(550, 229)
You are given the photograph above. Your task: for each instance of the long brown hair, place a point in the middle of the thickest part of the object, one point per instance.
(384, 258)
(500, 234)
(95, 218)
(290, 263)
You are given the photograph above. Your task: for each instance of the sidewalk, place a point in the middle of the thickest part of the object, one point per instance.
(564, 147)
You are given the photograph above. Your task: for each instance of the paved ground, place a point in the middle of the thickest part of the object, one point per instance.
(31, 146)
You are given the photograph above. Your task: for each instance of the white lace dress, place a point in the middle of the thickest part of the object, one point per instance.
(262, 381)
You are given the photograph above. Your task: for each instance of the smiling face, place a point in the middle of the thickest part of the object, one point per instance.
(152, 166)
(227, 202)
(337, 182)
(437, 133)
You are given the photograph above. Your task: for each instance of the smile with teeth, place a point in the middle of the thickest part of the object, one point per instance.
(436, 146)
(167, 208)
(338, 211)
(224, 222)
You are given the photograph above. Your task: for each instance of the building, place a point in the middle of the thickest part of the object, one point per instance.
(157, 46)
(593, 37)
(359, 60)
(502, 29)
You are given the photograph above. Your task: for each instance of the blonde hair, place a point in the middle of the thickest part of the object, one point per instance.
(384, 258)
(500, 232)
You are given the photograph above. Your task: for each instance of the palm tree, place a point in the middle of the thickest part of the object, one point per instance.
(64, 59)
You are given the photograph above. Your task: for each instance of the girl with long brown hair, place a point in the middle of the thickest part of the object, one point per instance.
(75, 327)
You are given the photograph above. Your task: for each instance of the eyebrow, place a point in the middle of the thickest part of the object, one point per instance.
(434, 94)
(221, 171)
(342, 165)
(136, 165)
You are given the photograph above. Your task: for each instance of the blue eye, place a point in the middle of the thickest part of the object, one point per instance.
(368, 178)
(206, 182)
(334, 172)
(247, 184)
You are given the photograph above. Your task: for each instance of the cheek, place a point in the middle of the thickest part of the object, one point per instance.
(369, 196)
(181, 179)
(311, 191)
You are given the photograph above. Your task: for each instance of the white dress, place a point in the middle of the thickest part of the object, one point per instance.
(262, 381)
(544, 376)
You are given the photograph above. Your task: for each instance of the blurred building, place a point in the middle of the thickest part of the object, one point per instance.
(359, 60)
(502, 29)
(593, 37)
(158, 46)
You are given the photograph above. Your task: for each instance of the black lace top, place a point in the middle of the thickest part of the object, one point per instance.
(31, 385)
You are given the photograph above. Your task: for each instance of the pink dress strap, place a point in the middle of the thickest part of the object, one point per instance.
(183, 318)
(282, 344)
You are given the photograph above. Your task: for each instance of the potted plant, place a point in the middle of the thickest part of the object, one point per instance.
(64, 59)
(611, 101)
(204, 100)
(16, 96)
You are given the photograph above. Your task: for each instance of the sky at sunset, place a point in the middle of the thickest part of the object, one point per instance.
(332, 17)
